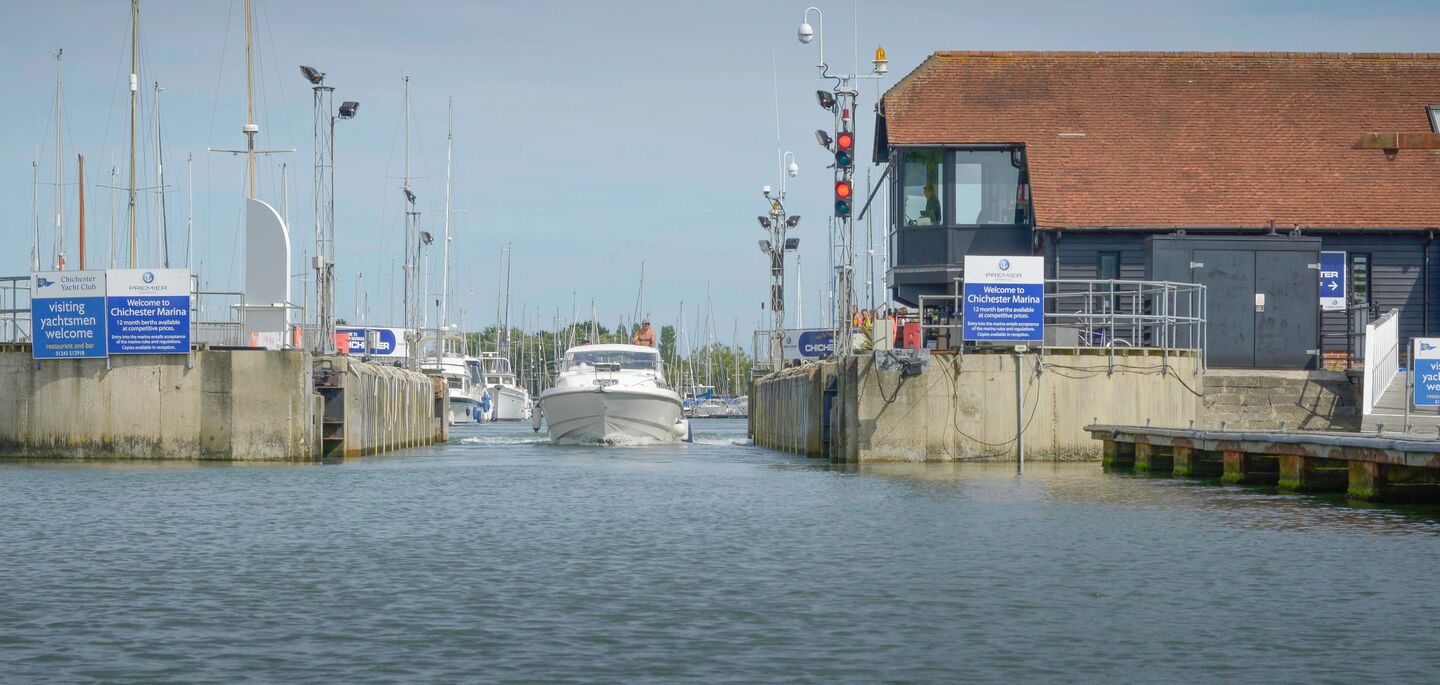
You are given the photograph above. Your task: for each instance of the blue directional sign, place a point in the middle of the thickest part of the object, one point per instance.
(149, 311)
(1427, 372)
(69, 312)
(1332, 281)
(1004, 299)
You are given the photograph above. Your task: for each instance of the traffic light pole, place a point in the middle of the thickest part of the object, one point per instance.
(841, 102)
(777, 284)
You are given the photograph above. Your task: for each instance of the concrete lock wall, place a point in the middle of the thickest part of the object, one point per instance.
(786, 409)
(965, 409)
(231, 405)
(388, 408)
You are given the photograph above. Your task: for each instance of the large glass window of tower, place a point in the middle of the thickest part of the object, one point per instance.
(987, 187)
(923, 195)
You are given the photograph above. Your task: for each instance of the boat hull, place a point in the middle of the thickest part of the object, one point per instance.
(610, 416)
(464, 409)
(511, 403)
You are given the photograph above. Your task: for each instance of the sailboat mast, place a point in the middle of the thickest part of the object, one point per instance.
(114, 209)
(509, 251)
(189, 212)
(162, 248)
(134, 114)
(81, 186)
(35, 209)
(59, 164)
(250, 128)
(449, 187)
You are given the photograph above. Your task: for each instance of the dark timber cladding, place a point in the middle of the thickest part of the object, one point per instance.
(1104, 150)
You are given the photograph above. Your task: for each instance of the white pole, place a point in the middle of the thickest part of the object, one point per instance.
(189, 212)
(445, 266)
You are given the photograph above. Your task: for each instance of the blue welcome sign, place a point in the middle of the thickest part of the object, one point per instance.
(68, 308)
(149, 311)
(1004, 299)
(1427, 371)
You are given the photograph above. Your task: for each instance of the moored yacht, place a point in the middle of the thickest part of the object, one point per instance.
(511, 401)
(469, 402)
(612, 393)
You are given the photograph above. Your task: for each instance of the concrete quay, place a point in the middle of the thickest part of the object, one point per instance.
(214, 404)
(873, 408)
(1390, 467)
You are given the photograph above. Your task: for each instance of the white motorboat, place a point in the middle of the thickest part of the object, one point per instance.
(468, 400)
(511, 401)
(612, 393)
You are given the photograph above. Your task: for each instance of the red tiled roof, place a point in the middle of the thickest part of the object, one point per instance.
(1190, 139)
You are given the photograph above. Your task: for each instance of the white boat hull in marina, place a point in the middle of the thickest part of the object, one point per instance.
(611, 415)
(465, 409)
(612, 394)
(512, 403)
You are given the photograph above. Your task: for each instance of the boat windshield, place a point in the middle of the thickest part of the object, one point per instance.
(633, 361)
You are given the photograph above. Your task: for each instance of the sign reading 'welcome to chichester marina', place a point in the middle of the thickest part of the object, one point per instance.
(1004, 299)
(92, 314)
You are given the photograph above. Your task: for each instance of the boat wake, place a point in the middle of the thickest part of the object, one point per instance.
(724, 442)
(504, 440)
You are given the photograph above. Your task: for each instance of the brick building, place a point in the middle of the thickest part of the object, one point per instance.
(1086, 158)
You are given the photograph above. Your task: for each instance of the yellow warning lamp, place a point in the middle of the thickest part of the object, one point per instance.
(882, 65)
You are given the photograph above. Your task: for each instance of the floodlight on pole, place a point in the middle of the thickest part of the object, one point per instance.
(826, 99)
(823, 138)
(764, 222)
(348, 109)
(792, 244)
(409, 196)
(793, 221)
(765, 246)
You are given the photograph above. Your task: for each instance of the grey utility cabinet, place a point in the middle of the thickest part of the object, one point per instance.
(1262, 295)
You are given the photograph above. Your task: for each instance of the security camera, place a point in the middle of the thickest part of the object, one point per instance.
(766, 190)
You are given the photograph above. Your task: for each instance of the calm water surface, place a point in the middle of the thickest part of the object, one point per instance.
(500, 558)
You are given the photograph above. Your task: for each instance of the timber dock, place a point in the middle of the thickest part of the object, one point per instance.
(1366, 466)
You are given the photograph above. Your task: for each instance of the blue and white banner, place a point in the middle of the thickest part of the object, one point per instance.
(149, 311)
(389, 342)
(1004, 299)
(1332, 281)
(1427, 371)
(69, 312)
(816, 343)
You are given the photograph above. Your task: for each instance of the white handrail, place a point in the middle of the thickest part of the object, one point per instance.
(1382, 358)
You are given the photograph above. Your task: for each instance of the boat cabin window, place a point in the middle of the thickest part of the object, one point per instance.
(456, 382)
(633, 361)
(492, 380)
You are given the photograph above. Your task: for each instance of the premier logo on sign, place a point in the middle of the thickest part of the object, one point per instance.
(1004, 299)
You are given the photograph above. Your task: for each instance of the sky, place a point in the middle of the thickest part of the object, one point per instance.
(591, 136)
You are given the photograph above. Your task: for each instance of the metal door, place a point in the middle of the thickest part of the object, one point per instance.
(1285, 322)
(1229, 280)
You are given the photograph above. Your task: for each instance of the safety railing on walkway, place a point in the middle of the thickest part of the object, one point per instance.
(1382, 358)
(1107, 314)
(15, 324)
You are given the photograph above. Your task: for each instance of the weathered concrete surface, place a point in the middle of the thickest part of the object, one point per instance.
(965, 409)
(787, 409)
(1254, 399)
(232, 405)
(384, 408)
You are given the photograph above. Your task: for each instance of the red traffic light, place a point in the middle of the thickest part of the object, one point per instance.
(842, 190)
(845, 141)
